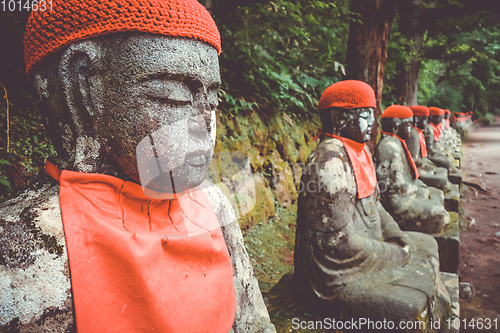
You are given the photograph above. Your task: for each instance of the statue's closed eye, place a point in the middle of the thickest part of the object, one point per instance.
(169, 91)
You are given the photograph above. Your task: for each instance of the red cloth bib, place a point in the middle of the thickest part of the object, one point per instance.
(413, 166)
(362, 165)
(447, 123)
(437, 131)
(134, 267)
(423, 145)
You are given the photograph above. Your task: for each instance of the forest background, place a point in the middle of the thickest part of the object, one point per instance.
(278, 57)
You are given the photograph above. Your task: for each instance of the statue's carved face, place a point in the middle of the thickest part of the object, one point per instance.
(357, 124)
(420, 121)
(435, 119)
(404, 128)
(158, 97)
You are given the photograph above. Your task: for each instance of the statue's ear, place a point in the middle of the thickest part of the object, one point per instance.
(396, 122)
(79, 70)
(78, 65)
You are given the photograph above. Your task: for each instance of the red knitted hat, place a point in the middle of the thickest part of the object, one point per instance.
(435, 111)
(397, 111)
(447, 111)
(73, 20)
(349, 94)
(420, 110)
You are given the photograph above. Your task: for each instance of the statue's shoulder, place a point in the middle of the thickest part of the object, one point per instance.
(41, 192)
(414, 133)
(328, 149)
(428, 130)
(35, 208)
(34, 268)
(329, 168)
(388, 147)
(220, 203)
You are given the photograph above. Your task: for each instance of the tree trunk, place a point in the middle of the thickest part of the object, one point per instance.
(367, 46)
(406, 81)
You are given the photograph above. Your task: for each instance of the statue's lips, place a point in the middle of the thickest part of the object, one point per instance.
(196, 160)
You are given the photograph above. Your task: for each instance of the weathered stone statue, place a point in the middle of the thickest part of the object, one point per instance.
(446, 120)
(351, 258)
(128, 90)
(429, 173)
(416, 140)
(433, 132)
(450, 137)
(462, 122)
(413, 205)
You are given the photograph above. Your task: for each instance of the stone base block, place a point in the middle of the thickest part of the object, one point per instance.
(455, 178)
(452, 199)
(283, 306)
(448, 243)
(437, 179)
(451, 282)
(457, 155)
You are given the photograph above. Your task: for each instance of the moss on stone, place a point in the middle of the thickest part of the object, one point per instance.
(277, 146)
(270, 247)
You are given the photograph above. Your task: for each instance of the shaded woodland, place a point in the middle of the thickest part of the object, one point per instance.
(278, 56)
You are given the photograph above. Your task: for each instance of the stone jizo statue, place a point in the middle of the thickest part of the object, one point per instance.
(429, 173)
(432, 132)
(413, 205)
(416, 139)
(462, 122)
(351, 258)
(451, 138)
(128, 90)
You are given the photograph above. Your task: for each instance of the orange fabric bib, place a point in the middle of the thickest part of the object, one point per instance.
(134, 266)
(447, 123)
(362, 165)
(423, 145)
(413, 166)
(437, 131)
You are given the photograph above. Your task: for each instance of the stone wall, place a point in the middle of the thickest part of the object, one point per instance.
(277, 147)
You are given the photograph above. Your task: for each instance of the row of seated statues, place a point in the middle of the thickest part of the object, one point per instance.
(129, 237)
(462, 122)
(364, 244)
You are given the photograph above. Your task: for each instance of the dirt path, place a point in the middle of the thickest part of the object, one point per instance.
(479, 246)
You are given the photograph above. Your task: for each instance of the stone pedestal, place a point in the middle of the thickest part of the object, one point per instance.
(448, 244)
(437, 178)
(456, 177)
(451, 282)
(452, 199)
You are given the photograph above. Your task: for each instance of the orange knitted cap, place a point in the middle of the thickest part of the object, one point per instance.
(435, 111)
(447, 111)
(397, 111)
(73, 20)
(420, 110)
(349, 94)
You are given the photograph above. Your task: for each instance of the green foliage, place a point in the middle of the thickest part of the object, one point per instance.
(430, 71)
(460, 62)
(471, 76)
(29, 145)
(280, 55)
